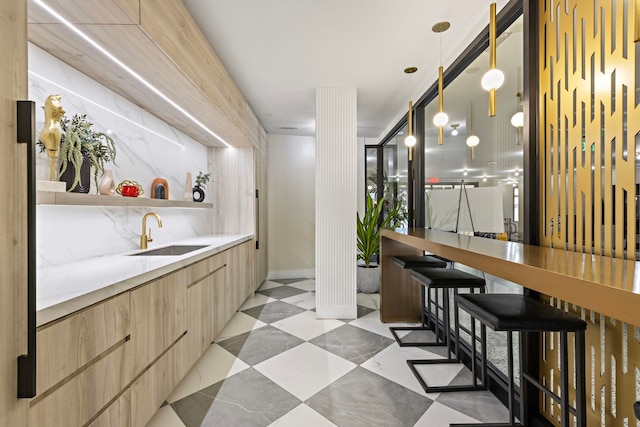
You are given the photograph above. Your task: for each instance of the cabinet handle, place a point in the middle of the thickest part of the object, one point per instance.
(26, 131)
(257, 219)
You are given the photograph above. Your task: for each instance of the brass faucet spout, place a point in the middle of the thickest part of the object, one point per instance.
(144, 238)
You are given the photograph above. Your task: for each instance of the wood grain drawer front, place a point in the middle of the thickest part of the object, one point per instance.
(158, 317)
(200, 318)
(153, 387)
(68, 345)
(81, 397)
(117, 414)
(218, 261)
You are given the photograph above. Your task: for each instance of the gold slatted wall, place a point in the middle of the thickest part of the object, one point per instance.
(589, 128)
(589, 96)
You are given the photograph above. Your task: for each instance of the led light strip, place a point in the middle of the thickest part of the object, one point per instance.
(127, 69)
(120, 116)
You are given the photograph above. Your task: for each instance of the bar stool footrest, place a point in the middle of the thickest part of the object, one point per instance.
(401, 343)
(441, 388)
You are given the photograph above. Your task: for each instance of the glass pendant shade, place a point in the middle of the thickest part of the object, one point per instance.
(473, 141)
(440, 119)
(410, 141)
(517, 120)
(454, 132)
(492, 79)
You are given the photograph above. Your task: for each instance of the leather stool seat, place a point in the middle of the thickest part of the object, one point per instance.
(520, 313)
(418, 261)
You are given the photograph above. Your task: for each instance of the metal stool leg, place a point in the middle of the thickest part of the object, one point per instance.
(425, 322)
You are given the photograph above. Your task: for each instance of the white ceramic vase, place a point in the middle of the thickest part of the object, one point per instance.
(107, 186)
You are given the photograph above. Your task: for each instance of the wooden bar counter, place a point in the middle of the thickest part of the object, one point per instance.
(609, 286)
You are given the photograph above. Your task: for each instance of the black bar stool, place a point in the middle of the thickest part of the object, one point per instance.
(442, 280)
(519, 313)
(409, 262)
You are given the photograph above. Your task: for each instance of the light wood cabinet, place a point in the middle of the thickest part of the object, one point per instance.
(113, 364)
(117, 414)
(72, 343)
(82, 358)
(260, 166)
(13, 211)
(82, 395)
(157, 317)
(153, 387)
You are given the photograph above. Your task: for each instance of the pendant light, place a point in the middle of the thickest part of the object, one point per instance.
(472, 140)
(517, 120)
(493, 78)
(441, 118)
(410, 140)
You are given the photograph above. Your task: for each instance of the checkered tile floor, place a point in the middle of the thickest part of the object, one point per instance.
(275, 364)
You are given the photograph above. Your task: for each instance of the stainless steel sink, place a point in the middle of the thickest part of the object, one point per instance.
(171, 250)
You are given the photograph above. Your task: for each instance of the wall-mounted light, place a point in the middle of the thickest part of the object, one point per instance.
(464, 172)
(494, 78)
(441, 118)
(454, 126)
(472, 140)
(410, 140)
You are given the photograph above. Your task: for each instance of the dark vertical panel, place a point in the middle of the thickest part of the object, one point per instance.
(531, 200)
(418, 173)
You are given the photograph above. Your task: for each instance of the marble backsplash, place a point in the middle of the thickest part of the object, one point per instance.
(147, 148)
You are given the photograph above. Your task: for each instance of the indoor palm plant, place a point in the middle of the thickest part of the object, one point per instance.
(368, 235)
(81, 144)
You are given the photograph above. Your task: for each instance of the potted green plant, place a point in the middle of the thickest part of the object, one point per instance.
(198, 190)
(82, 148)
(368, 242)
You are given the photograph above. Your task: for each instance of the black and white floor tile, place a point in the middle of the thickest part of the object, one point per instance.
(275, 364)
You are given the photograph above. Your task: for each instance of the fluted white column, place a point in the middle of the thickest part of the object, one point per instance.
(336, 202)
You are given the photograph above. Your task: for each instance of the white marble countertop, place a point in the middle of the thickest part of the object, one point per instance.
(67, 288)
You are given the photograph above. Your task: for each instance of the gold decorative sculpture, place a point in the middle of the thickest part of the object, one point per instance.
(51, 133)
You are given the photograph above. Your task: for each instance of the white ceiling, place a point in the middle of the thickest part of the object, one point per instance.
(279, 51)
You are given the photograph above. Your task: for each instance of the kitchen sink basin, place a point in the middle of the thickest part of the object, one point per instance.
(171, 250)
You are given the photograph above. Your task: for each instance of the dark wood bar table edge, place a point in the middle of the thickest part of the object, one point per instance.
(606, 285)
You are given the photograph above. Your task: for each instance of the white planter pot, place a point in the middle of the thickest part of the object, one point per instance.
(368, 279)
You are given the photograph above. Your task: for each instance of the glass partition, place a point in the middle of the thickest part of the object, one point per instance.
(395, 177)
(496, 163)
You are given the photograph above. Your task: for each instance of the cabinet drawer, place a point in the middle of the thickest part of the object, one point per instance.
(80, 397)
(153, 386)
(67, 345)
(158, 317)
(117, 414)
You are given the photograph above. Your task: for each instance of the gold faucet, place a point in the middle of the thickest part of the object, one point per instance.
(144, 238)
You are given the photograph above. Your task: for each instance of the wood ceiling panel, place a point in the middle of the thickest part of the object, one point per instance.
(96, 12)
(177, 34)
(132, 46)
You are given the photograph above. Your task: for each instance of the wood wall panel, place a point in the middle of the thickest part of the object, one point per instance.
(233, 186)
(13, 210)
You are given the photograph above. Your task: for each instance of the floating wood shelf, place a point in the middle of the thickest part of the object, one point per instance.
(77, 199)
